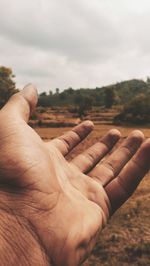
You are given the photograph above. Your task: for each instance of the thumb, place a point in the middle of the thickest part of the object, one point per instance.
(22, 104)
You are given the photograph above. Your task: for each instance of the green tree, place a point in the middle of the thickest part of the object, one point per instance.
(70, 90)
(43, 94)
(7, 84)
(109, 97)
(44, 99)
(84, 104)
(57, 91)
(50, 92)
(148, 80)
(137, 111)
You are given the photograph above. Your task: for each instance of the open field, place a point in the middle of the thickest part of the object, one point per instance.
(66, 117)
(126, 239)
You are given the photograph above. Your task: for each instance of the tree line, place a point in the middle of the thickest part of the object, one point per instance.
(132, 97)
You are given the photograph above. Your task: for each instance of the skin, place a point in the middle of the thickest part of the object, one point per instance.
(52, 210)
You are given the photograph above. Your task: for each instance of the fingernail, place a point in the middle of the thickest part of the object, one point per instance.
(29, 88)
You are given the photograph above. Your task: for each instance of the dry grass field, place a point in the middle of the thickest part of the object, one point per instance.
(126, 239)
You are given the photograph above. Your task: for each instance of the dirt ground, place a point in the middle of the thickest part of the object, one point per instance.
(126, 239)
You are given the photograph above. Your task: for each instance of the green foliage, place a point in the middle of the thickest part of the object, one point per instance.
(127, 90)
(133, 95)
(57, 90)
(137, 111)
(7, 85)
(109, 97)
(44, 100)
(84, 104)
(119, 93)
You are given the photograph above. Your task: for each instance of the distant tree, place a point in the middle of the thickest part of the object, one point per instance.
(84, 104)
(148, 86)
(63, 96)
(115, 94)
(109, 97)
(137, 111)
(7, 84)
(43, 94)
(148, 80)
(70, 90)
(44, 100)
(50, 92)
(57, 90)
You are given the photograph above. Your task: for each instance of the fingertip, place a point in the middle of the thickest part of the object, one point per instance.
(137, 134)
(86, 126)
(89, 124)
(136, 137)
(29, 92)
(115, 134)
(111, 137)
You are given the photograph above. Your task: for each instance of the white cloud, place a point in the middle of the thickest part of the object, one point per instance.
(78, 43)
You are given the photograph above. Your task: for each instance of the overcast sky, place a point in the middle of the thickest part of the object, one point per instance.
(77, 43)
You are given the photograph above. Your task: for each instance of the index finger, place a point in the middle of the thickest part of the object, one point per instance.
(69, 140)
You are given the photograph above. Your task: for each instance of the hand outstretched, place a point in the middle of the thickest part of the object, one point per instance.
(52, 210)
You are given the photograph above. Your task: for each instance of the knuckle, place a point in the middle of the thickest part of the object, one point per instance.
(66, 141)
(90, 157)
(127, 150)
(110, 166)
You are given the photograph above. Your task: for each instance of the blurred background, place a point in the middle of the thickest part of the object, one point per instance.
(89, 60)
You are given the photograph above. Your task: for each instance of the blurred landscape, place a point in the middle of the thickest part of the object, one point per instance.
(124, 105)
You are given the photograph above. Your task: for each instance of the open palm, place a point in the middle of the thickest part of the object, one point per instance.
(62, 204)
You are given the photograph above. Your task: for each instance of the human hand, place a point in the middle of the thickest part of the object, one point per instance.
(52, 210)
